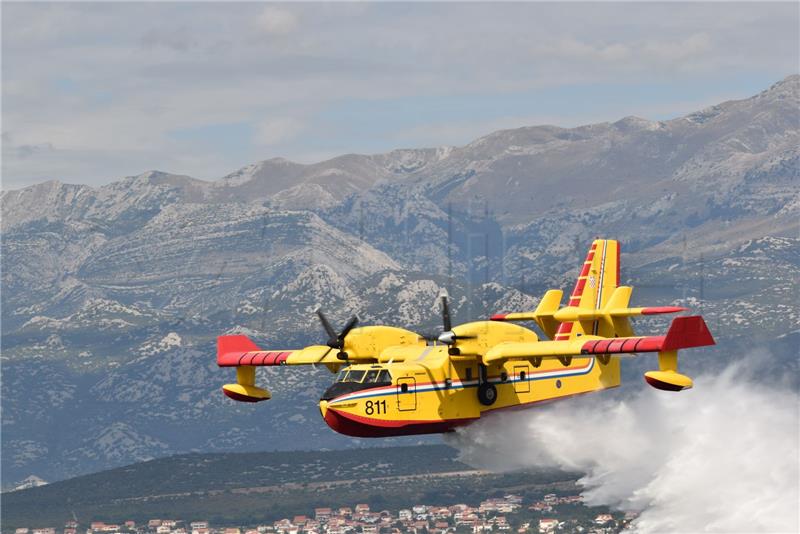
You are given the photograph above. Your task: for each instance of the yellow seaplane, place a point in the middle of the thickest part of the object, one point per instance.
(393, 381)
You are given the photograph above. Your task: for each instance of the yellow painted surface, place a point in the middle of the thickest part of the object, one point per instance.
(439, 383)
(441, 389)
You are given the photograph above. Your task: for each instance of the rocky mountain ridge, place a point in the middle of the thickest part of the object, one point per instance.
(113, 295)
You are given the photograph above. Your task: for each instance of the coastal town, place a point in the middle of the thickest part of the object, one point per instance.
(507, 514)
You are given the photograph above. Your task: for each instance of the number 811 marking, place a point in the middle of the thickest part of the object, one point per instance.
(375, 407)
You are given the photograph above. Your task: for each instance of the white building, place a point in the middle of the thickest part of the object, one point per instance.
(548, 525)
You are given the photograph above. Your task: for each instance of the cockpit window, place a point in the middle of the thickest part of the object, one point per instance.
(355, 376)
(367, 377)
(371, 376)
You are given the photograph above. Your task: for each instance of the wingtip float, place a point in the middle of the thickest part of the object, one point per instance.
(392, 381)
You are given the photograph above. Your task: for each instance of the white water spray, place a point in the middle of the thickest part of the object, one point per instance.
(722, 457)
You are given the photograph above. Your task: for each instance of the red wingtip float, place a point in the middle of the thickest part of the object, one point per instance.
(392, 381)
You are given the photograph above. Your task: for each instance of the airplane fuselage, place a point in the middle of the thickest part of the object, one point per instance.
(395, 382)
(433, 391)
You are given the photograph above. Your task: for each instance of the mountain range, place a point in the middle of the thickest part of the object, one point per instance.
(112, 296)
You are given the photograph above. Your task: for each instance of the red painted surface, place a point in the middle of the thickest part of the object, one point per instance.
(259, 358)
(498, 317)
(687, 332)
(563, 332)
(235, 343)
(683, 333)
(664, 386)
(363, 427)
(564, 329)
(616, 345)
(580, 285)
(241, 398)
(236, 350)
(654, 310)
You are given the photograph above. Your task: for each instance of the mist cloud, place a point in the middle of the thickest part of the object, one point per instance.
(722, 457)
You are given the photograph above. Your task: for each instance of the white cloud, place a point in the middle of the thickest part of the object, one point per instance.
(574, 48)
(277, 129)
(722, 457)
(276, 21)
(684, 49)
(116, 80)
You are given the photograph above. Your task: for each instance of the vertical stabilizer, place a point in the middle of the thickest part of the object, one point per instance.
(598, 278)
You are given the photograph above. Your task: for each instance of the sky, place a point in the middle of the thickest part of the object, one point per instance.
(93, 92)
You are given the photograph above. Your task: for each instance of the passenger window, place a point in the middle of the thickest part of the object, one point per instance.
(469, 373)
(371, 376)
(355, 376)
(342, 375)
(384, 376)
(404, 388)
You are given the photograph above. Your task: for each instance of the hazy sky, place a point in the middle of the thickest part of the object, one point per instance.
(96, 91)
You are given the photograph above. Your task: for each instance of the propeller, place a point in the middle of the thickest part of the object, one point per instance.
(336, 341)
(447, 324)
(447, 336)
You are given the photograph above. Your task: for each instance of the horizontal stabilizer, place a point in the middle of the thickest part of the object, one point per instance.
(613, 317)
(543, 315)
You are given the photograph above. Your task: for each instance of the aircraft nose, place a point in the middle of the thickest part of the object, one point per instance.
(323, 407)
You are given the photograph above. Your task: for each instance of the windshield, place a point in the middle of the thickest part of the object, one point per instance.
(355, 376)
(371, 376)
(367, 377)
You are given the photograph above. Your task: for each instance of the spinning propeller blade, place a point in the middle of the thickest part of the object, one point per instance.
(347, 327)
(327, 326)
(336, 341)
(446, 322)
(447, 336)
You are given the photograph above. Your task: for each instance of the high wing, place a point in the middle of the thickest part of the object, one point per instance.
(612, 318)
(238, 350)
(684, 332)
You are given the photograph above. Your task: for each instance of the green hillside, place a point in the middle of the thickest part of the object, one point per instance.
(248, 488)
